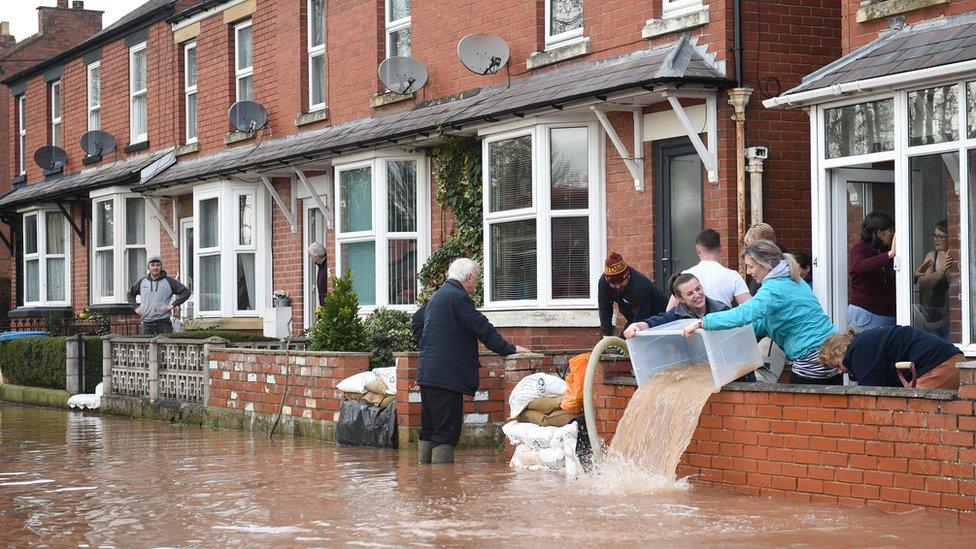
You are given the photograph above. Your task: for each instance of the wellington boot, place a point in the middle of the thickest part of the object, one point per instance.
(443, 453)
(424, 448)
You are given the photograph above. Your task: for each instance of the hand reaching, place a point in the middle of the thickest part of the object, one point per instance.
(521, 350)
(632, 330)
(692, 328)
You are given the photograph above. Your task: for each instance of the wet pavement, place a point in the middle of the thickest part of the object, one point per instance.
(68, 479)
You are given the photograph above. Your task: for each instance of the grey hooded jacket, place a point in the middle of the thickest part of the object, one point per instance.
(156, 294)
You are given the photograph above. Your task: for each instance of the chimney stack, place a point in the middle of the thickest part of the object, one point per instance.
(78, 5)
(4, 28)
(62, 4)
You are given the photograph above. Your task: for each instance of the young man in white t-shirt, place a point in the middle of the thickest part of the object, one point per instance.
(719, 282)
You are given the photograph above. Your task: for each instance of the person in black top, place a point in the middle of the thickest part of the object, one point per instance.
(634, 294)
(869, 357)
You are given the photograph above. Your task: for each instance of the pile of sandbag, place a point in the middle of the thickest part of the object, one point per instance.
(376, 387)
(543, 433)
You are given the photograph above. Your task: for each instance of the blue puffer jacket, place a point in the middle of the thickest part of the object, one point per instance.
(785, 310)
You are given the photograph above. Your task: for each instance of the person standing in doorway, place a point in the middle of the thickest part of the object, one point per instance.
(871, 303)
(156, 291)
(447, 329)
(635, 296)
(318, 256)
(719, 282)
(932, 283)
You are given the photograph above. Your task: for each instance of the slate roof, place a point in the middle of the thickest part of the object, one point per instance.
(924, 45)
(121, 172)
(680, 62)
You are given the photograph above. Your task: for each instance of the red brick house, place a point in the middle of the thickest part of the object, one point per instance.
(616, 132)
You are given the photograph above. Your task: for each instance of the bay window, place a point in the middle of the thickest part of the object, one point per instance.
(190, 90)
(543, 217)
(120, 238)
(564, 21)
(46, 255)
(244, 61)
(399, 34)
(94, 96)
(382, 230)
(316, 55)
(55, 88)
(138, 105)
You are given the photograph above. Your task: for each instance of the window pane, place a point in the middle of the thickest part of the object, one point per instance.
(105, 272)
(135, 221)
(972, 241)
(401, 42)
(30, 234)
(55, 279)
(56, 101)
(401, 182)
(56, 135)
(94, 120)
(565, 15)
(399, 9)
(513, 260)
(570, 257)
(971, 109)
(510, 174)
(356, 200)
(360, 258)
(403, 271)
(244, 58)
(933, 115)
(95, 86)
(135, 265)
(209, 283)
(936, 306)
(316, 23)
(55, 233)
(191, 67)
(245, 282)
(209, 236)
(244, 89)
(245, 219)
(32, 276)
(106, 223)
(139, 115)
(139, 70)
(569, 168)
(860, 129)
(316, 78)
(191, 116)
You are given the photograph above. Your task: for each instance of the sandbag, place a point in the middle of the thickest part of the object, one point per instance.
(546, 405)
(361, 424)
(356, 383)
(377, 386)
(375, 399)
(532, 387)
(352, 396)
(534, 417)
(388, 375)
(558, 418)
(387, 400)
(544, 448)
(573, 398)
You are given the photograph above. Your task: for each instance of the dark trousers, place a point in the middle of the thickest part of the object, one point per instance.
(440, 415)
(796, 379)
(152, 327)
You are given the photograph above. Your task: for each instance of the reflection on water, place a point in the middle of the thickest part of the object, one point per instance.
(70, 479)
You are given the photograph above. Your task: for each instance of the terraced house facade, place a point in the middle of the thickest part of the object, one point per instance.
(616, 125)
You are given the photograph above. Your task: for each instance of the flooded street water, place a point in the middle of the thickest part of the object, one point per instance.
(73, 479)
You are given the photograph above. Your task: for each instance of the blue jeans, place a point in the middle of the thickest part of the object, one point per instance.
(859, 319)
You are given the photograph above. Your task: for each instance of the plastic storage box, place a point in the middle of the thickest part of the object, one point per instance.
(730, 354)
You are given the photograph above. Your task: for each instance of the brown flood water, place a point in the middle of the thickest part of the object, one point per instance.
(68, 479)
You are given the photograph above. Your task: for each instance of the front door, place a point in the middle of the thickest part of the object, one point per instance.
(186, 264)
(678, 207)
(315, 231)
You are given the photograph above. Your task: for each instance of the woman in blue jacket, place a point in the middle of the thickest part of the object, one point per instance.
(784, 309)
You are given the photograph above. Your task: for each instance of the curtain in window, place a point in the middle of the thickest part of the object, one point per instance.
(55, 233)
(135, 265)
(360, 258)
(135, 221)
(209, 216)
(106, 224)
(356, 207)
(30, 234)
(403, 271)
(245, 37)
(245, 282)
(570, 257)
(55, 279)
(32, 276)
(245, 218)
(510, 174)
(402, 196)
(569, 168)
(513, 260)
(317, 23)
(316, 71)
(565, 15)
(105, 270)
(209, 294)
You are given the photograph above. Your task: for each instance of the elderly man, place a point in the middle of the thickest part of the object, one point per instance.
(447, 329)
(317, 255)
(157, 290)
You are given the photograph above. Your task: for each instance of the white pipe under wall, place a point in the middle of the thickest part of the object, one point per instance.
(755, 156)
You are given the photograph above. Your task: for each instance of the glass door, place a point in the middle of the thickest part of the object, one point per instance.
(678, 209)
(186, 264)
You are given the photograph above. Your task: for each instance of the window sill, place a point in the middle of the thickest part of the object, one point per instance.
(39, 311)
(659, 27)
(186, 149)
(237, 137)
(558, 54)
(135, 147)
(317, 115)
(553, 318)
(871, 11)
(91, 159)
(388, 98)
(19, 180)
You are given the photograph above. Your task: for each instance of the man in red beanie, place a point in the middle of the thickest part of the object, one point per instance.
(636, 296)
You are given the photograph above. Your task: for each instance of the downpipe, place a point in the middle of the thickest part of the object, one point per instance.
(596, 445)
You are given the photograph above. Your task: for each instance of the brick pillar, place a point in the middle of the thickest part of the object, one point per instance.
(516, 368)
(408, 397)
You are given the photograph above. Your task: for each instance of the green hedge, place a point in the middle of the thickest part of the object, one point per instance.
(230, 335)
(39, 361)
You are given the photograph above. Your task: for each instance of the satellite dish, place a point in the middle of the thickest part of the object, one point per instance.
(403, 75)
(483, 53)
(247, 116)
(97, 143)
(50, 158)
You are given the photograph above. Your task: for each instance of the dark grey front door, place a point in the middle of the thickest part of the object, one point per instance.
(678, 207)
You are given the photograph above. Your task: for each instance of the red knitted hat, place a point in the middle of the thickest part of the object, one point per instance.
(615, 269)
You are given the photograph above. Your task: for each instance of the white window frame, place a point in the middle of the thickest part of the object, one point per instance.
(310, 290)
(394, 25)
(562, 38)
(93, 106)
(542, 212)
(188, 309)
(21, 134)
(239, 72)
(42, 257)
(57, 114)
(379, 234)
(119, 246)
(240, 248)
(190, 91)
(677, 8)
(138, 93)
(315, 52)
(227, 248)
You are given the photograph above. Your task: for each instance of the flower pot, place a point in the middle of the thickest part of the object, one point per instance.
(282, 302)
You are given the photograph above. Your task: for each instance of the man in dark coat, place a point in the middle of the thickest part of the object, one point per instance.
(318, 256)
(447, 329)
(634, 294)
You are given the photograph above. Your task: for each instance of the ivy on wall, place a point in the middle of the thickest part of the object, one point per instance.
(456, 166)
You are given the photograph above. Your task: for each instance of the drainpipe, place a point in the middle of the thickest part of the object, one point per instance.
(737, 42)
(739, 98)
(755, 156)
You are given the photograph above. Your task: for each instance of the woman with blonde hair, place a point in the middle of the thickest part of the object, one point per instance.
(785, 309)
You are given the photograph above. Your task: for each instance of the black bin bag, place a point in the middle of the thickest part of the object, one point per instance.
(362, 424)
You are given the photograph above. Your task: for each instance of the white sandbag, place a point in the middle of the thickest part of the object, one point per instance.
(356, 383)
(529, 434)
(532, 387)
(388, 375)
(90, 402)
(544, 448)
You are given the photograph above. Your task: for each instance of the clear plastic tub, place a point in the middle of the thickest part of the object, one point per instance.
(730, 354)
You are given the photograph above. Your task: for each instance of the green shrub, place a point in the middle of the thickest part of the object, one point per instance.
(230, 335)
(39, 361)
(389, 332)
(337, 325)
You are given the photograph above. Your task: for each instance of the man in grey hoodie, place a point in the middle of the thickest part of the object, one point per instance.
(155, 308)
